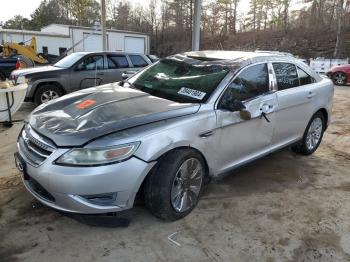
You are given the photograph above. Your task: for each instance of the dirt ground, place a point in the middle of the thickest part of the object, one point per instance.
(283, 207)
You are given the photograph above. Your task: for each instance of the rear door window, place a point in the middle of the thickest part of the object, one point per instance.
(138, 61)
(304, 78)
(286, 75)
(117, 61)
(251, 82)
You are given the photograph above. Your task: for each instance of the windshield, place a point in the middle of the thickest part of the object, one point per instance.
(68, 61)
(183, 81)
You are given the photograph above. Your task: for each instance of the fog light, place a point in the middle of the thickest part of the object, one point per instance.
(101, 199)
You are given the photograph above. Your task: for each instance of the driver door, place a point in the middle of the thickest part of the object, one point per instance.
(241, 140)
(89, 72)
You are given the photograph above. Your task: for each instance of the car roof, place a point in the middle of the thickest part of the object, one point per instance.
(108, 52)
(237, 60)
(212, 55)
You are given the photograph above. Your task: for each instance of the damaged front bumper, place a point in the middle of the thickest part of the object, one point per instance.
(85, 190)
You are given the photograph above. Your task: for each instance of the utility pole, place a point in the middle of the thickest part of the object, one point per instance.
(103, 25)
(196, 31)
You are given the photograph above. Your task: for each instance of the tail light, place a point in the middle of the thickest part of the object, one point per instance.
(18, 64)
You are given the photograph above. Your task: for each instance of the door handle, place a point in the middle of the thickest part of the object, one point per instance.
(310, 95)
(207, 134)
(100, 74)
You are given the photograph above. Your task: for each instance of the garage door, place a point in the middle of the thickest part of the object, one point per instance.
(134, 44)
(92, 42)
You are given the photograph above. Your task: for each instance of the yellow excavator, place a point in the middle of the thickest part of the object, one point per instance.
(26, 54)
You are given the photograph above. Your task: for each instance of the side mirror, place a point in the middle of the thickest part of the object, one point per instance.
(245, 114)
(127, 74)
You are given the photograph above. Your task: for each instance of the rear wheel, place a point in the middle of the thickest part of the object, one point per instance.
(173, 187)
(47, 93)
(312, 136)
(339, 79)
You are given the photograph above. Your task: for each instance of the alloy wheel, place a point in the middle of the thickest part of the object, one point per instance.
(314, 133)
(339, 79)
(187, 185)
(48, 96)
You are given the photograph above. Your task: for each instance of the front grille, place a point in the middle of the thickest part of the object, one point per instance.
(35, 148)
(39, 189)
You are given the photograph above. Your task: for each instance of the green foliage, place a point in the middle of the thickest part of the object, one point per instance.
(85, 12)
(78, 12)
(48, 12)
(17, 22)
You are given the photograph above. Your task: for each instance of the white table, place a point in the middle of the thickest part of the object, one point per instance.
(16, 94)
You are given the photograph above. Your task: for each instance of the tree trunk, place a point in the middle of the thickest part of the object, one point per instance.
(340, 14)
(235, 17)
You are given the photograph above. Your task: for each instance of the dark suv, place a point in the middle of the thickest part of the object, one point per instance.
(78, 71)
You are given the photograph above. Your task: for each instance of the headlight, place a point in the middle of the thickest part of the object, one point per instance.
(98, 156)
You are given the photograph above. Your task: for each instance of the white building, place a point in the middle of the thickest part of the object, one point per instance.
(55, 39)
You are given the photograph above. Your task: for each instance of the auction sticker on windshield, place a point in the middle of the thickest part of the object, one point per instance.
(191, 93)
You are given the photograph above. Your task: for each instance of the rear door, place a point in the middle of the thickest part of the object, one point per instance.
(294, 96)
(88, 72)
(117, 64)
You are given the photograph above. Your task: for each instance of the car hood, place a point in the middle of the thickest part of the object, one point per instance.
(34, 70)
(77, 118)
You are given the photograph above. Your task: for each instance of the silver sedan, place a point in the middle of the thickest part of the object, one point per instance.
(168, 129)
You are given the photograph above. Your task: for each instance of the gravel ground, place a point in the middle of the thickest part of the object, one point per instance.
(283, 207)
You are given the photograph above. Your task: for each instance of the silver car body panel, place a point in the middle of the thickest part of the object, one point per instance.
(222, 137)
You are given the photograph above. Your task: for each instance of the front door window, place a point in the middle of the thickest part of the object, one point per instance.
(91, 63)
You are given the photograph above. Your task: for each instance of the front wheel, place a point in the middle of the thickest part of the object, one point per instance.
(312, 136)
(173, 188)
(47, 93)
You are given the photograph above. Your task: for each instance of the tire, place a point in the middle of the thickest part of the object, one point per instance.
(305, 146)
(25, 61)
(50, 91)
(339, 79)
(163, 183)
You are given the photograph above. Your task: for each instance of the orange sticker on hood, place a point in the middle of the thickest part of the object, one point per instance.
(86, 103)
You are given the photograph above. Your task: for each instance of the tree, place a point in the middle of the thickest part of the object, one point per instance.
(253, 15)
(341, 11)
(17, 22)
(85, 12)
(233, 16)
(121, 15)
(286, 4)
(48, 12)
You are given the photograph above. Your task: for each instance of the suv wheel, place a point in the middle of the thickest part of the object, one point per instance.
(339, 79)
(47, 93)
(173, 187)
(312, 136)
